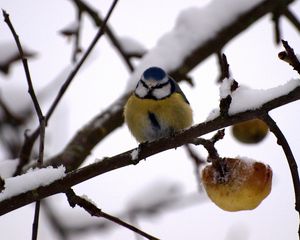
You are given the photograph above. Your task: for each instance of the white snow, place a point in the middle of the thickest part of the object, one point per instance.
(225, 87)
(86, 198)
(193, 27)
(8, 167)
(249, 161)
(31, 180)
(244, 98)
(131, 46)
(134, 154)
(213, 114)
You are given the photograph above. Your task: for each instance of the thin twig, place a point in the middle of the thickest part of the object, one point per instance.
(224, 67)
(289, 56)
(77, 48)
(74, 200)
(29, 141)
(276, 19)
(281, 140)
(25, 64)
(35, 225)
(213, 155)
(292, 18)
(108, 31)
(64, 229)
(198, 162)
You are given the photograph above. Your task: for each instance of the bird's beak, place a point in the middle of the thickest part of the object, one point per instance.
(151, 83)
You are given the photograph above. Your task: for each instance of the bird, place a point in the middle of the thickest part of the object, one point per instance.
(157, 108)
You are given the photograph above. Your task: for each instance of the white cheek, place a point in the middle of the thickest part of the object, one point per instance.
(163, 92)
(141, 91)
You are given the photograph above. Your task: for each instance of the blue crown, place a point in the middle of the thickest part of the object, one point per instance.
(155, 73)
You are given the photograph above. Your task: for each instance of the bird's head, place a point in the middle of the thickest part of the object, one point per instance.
(154, 84)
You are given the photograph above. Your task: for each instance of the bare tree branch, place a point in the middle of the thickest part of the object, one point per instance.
(276, 19)
(77, 48)
(289, 56)
(281, 140)
(25, 64)
(35, 225)
(74, 200)
(29, 141)
(223, 65)
(108, 31)
(197, 162)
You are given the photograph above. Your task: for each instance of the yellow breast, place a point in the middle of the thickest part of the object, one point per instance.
(172, 114)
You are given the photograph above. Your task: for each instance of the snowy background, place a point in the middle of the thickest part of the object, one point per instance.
(253, 60)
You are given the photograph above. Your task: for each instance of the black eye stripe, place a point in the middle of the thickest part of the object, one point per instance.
(144, 84)
(157, 86)
(162, 85)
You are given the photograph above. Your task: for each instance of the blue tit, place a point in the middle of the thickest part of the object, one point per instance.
(157, 108)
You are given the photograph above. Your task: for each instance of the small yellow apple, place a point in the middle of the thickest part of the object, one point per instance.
(252, 131)
(243, 187)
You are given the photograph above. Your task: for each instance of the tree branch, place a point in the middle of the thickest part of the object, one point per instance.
(77, 48)
(35, 225)
(281, 140)
(74, 200)
(29, 141)
(292, 18)
(289, 56)
(108, 31)
(92, 133)
(148, 149)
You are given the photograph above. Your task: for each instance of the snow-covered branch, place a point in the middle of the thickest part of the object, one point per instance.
(146, 150)
(190, 55)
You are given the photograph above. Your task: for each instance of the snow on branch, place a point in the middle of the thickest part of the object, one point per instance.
(30, 181)
(148, 149)
(243, 19)
(131, 47)
(193, 28)
(245, 98)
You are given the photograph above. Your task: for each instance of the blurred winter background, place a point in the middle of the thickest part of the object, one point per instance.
(167, 178)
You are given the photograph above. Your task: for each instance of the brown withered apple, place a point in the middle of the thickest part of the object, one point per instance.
(243, 185)
(251, 131)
